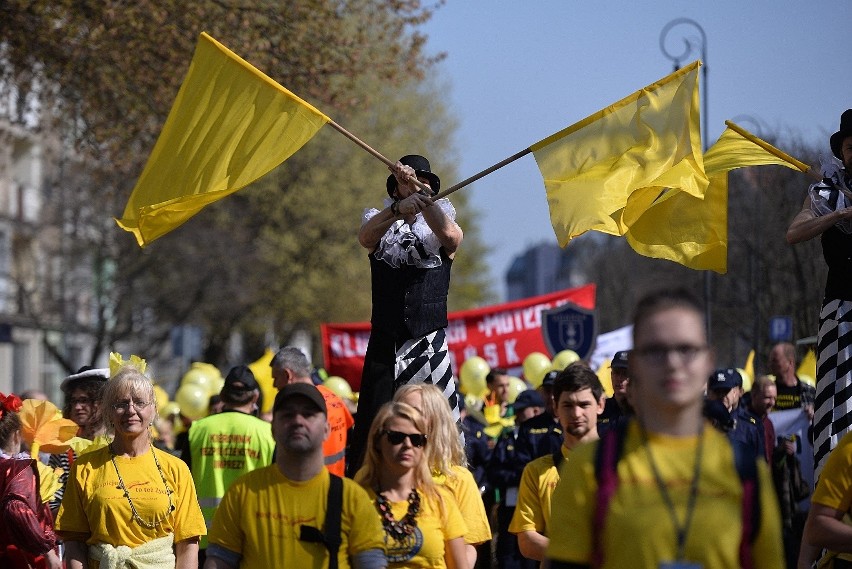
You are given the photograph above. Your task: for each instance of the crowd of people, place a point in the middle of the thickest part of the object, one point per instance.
(668, 446)
(681, 466)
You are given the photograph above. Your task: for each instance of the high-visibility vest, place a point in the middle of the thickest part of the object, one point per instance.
(223, 447)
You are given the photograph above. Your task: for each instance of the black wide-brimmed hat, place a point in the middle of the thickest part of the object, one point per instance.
(845, 130)
(421, 168)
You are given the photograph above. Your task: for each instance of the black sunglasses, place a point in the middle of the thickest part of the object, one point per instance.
(396, 437)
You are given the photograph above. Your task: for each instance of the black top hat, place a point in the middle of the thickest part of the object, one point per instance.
(421, 168)
(845, 130)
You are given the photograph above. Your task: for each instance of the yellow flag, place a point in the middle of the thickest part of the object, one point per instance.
(749, 365)
(230, 124)
(592, 168)
(807, 368)
(689, 228)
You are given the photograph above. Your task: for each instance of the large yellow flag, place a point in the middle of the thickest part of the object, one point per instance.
(692, 229)
(230, 124)
(592, 168)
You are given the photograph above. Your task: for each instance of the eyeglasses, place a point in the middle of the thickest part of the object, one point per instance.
(684, 353)
(81, 401)
(124, 406)
(396, 437)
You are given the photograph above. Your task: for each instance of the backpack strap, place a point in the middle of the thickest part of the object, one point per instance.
(746, 465)
(558, 458)
(607, 454)
(331, 538)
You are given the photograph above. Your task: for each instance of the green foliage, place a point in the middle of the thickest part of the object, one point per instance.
(278, 256)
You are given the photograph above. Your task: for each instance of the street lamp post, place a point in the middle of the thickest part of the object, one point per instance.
(690, 45)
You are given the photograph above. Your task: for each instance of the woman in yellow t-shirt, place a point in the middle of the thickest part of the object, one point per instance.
(446, 457)
(129, 493)
(423, 526)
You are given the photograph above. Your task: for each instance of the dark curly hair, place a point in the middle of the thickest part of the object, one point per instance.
(9, 424)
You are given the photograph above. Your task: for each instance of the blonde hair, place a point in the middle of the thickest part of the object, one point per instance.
(127, 381)
(445, 449)
(369, 474)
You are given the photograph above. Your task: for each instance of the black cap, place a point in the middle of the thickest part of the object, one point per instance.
(549, 378)
(619, 360)
(240, 378)
(300, 389)
(727, 378)
(528, 398)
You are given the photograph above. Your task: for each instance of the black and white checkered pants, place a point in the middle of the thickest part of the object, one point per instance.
(833, 406)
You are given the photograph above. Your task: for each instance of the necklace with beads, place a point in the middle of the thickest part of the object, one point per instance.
(134, 514)
(398, 529)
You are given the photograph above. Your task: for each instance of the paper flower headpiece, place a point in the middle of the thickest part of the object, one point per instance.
(9, 403)
(44, 428)
(116, 362)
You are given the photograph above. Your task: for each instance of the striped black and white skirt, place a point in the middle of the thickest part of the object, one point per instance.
(427, 360)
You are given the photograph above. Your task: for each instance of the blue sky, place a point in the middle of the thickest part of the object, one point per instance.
(516, 72)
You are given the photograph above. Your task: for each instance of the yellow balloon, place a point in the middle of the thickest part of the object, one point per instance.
(169, 410)
(201, 375)
(339, 386)
(193, 400)
(160, 396)
(516, 386)
(472, 377)
(564, 358)
(472, 402)
(536, 365)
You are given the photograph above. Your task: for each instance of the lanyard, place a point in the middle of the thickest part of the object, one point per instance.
(681, 529)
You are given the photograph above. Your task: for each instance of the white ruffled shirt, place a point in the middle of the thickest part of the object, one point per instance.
(826, 199)
(414, 244)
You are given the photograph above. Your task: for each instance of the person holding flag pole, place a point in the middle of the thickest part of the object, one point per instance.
(412, 243)
(827, 213)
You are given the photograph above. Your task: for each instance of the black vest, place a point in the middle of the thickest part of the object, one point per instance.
(837, 252)
(410, 302)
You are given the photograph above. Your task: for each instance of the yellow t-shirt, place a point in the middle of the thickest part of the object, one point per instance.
(95, 510)
(262, 512)
(638, 531)
(532, 512)
(463, 488)
(834, 488)
(436, 524)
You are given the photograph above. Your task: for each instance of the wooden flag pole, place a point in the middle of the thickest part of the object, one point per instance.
(811, 172)
(772, 150)
(373, 151)
(482, 174)
(417, 182)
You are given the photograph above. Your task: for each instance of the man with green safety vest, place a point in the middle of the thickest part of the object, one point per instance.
(224, 446)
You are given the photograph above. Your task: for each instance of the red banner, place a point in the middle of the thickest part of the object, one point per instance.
(503, 334)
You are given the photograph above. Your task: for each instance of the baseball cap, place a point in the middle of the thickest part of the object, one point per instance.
(619, 360)
(549, 378)
(240, 378)
(528, 398)
(300, 389)
(726, 378)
